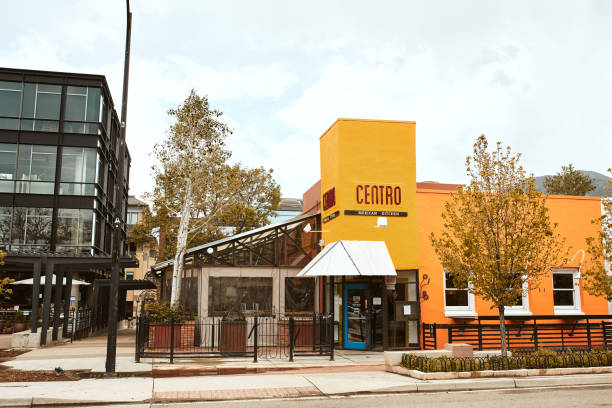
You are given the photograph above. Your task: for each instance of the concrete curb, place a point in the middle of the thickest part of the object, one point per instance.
(454, 375)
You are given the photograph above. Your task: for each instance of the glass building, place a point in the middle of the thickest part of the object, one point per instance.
(58, 163)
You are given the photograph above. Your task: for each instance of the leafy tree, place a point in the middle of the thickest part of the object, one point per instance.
(569, 181)
(5, 291)
(196, 187)
(596, 279)
(497, 234)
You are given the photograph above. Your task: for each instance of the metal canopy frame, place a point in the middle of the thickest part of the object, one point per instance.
(285, 244)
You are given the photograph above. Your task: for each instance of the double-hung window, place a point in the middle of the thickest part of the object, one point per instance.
(521, 306)
(457, 302)
(566, 291)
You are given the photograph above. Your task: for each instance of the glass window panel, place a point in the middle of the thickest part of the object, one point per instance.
(67, 226)
(85, 227)
(71, 164)
(41, 188)
(24, 161)
(38, 229)
(43, 163)
(46, 125)
(563, 297)
(15, 86)
(6, 186)
(74, 127)
(5, 224)
(10, 102)
(47, 105)
(299, 294)
(90, 165)
(18, 225)
(75, 107)
(10, 124)
(29, 100)
(93, 105)
(50, 88)
(76, 90)
(234, 294)
(8, 157)
(456, 297)
(563, 281)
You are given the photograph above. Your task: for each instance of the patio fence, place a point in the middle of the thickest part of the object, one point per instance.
(585, 332)
(271, 336)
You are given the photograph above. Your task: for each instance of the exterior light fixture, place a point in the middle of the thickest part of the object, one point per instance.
(381, 222)
(210, 251)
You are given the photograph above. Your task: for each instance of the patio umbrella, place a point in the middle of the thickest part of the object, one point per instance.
(42, 281)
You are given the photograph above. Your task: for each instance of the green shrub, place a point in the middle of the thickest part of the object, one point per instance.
(162, 312)
(540, 359)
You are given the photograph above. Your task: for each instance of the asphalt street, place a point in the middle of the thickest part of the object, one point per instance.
(596, 396)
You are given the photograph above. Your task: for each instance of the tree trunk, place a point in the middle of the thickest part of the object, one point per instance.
(181, 245)
(502, 330)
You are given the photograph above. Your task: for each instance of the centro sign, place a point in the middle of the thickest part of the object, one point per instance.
(378, 194)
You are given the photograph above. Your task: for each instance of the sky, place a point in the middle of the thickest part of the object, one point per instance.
(534, 75)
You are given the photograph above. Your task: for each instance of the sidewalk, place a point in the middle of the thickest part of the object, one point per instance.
(88, 356)
(351, 373)
(240, 387)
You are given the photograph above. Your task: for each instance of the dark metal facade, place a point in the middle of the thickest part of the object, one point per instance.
(102, 135)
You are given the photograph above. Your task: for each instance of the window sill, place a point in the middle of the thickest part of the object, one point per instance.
(568, 312)
(517, 313)
(459, 314)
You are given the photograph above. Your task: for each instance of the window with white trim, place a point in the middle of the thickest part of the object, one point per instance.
(566, 291)
(521, 307)
(457, 302)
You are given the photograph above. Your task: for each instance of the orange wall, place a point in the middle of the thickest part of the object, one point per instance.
(573, 214)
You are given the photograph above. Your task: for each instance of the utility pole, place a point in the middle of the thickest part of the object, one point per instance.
(111, 344)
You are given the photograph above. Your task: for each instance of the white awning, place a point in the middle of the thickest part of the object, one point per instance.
(42, 281)
(351, 258)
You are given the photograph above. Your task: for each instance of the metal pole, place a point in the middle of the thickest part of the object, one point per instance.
(256, 323)
(291, 340)
(111, 345)
(36, 293)
(59, 280)
(332, 309)
(67, 292)
(172, 340)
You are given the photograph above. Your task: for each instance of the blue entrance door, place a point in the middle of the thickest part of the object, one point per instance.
(355, 327)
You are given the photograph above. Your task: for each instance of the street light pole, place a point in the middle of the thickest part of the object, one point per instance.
(111, 344)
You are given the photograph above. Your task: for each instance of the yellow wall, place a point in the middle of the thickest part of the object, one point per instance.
(357, 152)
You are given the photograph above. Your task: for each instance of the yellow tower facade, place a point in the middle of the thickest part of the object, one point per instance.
(368, 186)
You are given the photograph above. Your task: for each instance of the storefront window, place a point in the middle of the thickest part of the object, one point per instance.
(5, 225)
(31, 227)
(74, 229)
(299, 295)
(78, 171)
(239, 294)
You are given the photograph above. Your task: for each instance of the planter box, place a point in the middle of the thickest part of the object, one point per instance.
(159, 335)
(302, 328)
(233, 337)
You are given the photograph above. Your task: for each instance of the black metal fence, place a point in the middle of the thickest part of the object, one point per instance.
(576, 332)
(272, 336)
(81, 324)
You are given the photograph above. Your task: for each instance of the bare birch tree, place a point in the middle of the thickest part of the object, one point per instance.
(193, 181)
(497, 235)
